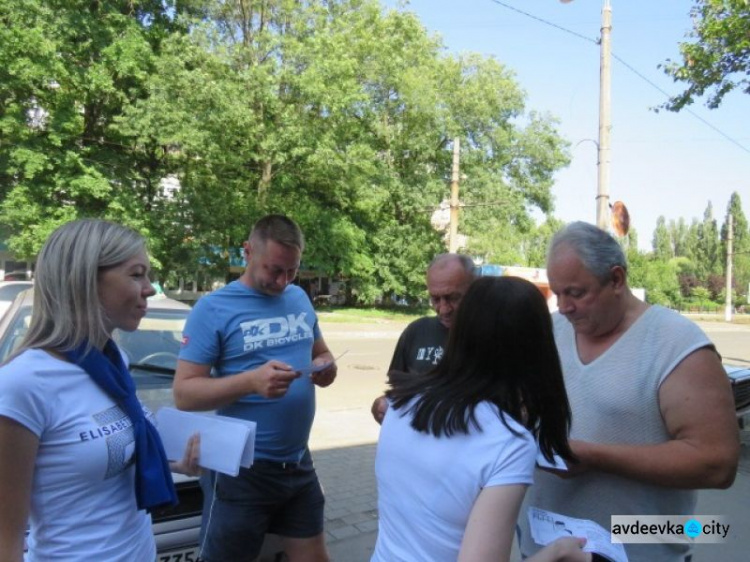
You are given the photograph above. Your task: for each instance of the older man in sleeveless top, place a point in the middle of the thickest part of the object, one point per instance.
(653, 416)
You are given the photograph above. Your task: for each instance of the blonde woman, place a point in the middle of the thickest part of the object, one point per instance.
(80, 463)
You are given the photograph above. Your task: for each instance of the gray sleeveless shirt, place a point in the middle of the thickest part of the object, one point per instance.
(615, 399)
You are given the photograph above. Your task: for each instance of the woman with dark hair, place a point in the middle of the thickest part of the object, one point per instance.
(458, 445)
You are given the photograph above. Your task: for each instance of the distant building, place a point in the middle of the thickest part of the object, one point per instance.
(537, 275)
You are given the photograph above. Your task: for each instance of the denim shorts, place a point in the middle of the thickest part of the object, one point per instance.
(269, 497)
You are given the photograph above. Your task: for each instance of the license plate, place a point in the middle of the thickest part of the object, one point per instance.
(189, 554)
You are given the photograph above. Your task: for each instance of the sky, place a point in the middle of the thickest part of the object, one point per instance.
(663, 163)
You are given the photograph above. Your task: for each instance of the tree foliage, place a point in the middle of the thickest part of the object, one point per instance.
(662, 242)
(188, 120)
(698, 271)
(740, 244)
(716, 60)
(659, 277)
(68, 71)
(706, 250)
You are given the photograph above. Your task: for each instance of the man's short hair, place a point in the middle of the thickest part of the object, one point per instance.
(598, 250)
(280, 229)
(465, 261)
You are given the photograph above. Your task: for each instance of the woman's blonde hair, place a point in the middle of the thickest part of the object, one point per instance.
(67, 310)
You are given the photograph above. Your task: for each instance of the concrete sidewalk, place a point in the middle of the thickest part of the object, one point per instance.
(348, 478)
(347, 475)
(344, 436)
(351, 517)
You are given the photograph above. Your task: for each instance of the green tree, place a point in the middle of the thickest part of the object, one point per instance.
(68, 69)
(662, 241)
(343, 116)
(659, 278)
(534, 247)
(740, 244)
(678, 234)
(707, 259)
(691, 241)
(189, 120)
(717, 58)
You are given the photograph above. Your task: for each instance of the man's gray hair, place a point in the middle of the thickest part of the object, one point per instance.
(598, 251)
(465, 261)
(67, 310)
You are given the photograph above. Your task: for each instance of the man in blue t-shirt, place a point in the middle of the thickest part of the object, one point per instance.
(258, 333)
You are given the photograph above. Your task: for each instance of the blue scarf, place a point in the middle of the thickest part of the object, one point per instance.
(153, 480)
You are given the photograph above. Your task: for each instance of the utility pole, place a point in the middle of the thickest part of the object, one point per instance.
(453, 232)
(604, 154)
(605, 119)
(728, 300)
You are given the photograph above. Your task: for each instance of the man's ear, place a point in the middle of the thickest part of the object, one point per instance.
(619, 277)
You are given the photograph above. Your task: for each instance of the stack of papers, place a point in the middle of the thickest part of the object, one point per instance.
(226, 443)
(547, 527)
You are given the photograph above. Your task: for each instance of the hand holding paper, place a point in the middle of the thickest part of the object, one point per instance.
(225, 443)
(273, 378)
(323, 371)
(547, 526)
(190, 463)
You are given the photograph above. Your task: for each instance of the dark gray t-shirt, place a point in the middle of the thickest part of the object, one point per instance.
(420, 347)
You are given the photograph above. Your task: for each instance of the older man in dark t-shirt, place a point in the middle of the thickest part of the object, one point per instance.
(422, 343)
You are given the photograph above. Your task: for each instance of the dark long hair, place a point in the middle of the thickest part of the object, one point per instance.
(501, 350)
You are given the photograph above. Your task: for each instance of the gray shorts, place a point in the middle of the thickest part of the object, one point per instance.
(269, 497)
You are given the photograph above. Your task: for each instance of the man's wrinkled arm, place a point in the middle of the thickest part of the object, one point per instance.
(698, 410)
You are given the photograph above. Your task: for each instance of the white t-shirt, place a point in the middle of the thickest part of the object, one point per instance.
(427, 485)
(83, 501)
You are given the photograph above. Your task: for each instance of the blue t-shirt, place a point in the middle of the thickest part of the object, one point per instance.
(236, 329)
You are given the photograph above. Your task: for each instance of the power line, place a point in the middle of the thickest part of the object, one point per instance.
(626, 65)
(690, 111)
(547, 22)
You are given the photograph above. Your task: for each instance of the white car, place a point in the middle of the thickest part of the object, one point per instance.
(740, 379)
(8, 292)
(152, 350)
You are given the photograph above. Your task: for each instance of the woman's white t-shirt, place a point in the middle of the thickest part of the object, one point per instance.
(427, 485)
(83, 501)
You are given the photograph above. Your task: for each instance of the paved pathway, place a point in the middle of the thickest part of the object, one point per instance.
(351, 524)
(344, 437)
(348, 477)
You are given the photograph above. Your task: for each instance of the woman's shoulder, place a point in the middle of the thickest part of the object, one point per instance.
(29, 386)
(33, 362)
(488, 414)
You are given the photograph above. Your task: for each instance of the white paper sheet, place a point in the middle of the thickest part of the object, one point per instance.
(310, 369)
(226, 443)
(557, 464)
(547, 526)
